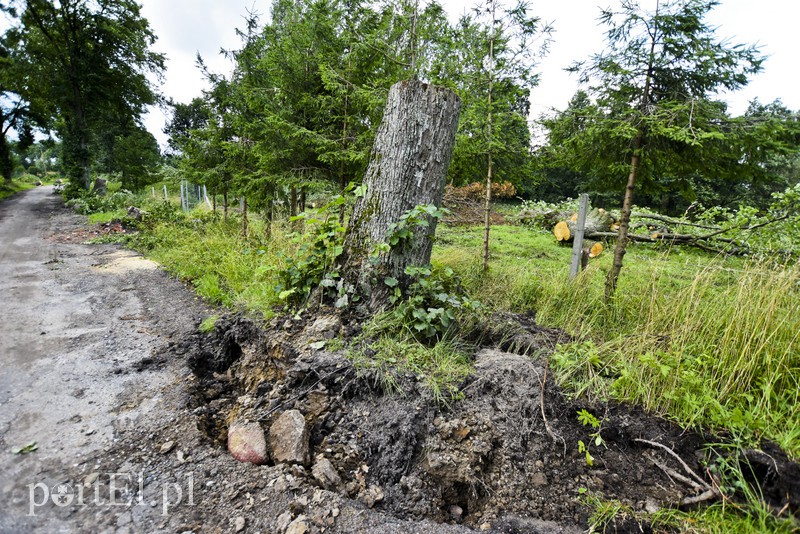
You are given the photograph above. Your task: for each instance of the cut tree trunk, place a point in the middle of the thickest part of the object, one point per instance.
(408, 167)
(597, 220)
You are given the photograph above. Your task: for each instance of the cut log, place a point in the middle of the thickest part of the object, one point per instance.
(597, 220)
(595, 249)
(407, 168)
(562, 231)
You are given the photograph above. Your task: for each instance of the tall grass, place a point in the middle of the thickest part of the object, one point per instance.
(701, 339)
(225, 267)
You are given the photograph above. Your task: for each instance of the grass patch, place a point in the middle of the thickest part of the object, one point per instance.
(207, 325)
(700, 339)
(107, 216)
(609, 515)
(441, 367)
(8, 189)
(224, 267)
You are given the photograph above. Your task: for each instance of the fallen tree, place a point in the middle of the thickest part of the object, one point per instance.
(597, 220)
(713, 240)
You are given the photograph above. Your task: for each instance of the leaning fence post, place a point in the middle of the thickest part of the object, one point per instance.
(577, 244)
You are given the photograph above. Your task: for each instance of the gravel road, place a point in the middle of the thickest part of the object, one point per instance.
(76, 319)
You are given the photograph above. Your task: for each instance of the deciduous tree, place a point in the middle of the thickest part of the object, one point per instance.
(88, 64)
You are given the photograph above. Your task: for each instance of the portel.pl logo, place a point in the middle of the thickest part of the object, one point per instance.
(121, 489)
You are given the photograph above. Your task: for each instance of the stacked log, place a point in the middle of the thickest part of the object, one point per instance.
(597, 220)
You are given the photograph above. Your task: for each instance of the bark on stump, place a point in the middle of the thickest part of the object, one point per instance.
(408, 167)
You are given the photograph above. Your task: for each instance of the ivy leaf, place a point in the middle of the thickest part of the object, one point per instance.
(390, 281)
(287, 293)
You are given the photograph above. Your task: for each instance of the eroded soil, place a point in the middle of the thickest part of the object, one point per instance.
(130, 406)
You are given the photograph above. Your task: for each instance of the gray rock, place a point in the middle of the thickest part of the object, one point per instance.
(283, 521)
(246, 442)
(239, 524)
(539, 479)
(326, 326)
(135, 213)
(288, 438)
(456, 512)
(371, 496)
(298, 526)
(324, 473)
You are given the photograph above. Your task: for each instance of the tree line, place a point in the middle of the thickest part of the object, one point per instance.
(300, 108)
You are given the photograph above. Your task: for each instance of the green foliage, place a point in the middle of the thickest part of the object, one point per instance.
(433, 303)
(704, 340)
(490, 58)
(88, 203)
(86, 68)
(716, 349)
(136, 157)
(400, 234)
(650, 94)
(313, 265)
(587, 419)
(224, 267)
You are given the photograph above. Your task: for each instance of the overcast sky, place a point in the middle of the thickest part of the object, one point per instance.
(186, 27)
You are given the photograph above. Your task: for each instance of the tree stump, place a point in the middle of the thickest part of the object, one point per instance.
(408, 167)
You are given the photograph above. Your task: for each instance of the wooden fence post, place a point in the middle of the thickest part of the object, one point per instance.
(577, 244)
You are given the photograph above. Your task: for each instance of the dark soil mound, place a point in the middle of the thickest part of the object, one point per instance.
(505, 457)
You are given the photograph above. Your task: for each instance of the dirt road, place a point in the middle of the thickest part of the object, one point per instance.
(77, 320)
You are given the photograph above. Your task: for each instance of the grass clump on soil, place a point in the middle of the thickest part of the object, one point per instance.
(207, 324)
(441, 366)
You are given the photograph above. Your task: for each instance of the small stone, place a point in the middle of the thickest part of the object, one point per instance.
(461, 433)
(239, 524)
(651, 506)
(327, 326)
(456, 512)
(539, 479)
(335, 512)
(486, 527)
(298, 526)
(283, 521)
(90, 479)
(246, 442)
(166, 447)
(288, 438)
(371, 496)
(324, 473)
